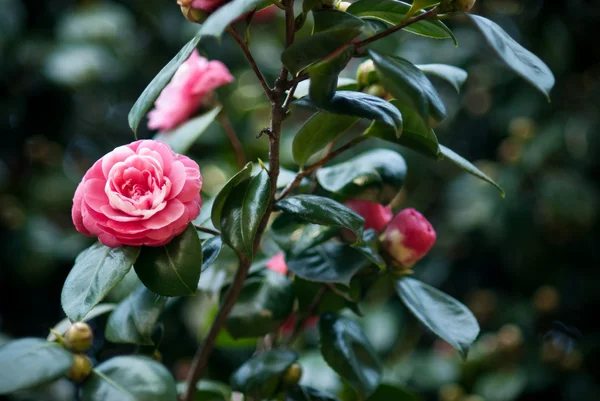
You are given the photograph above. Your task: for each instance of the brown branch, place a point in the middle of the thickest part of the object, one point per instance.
(252, 62)
(428, 14)
(312, 308)
(304, 173)
(238, 149)
(207, 230)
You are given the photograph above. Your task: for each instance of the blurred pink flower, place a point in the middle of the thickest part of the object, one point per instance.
(138, 194)
(408, 237)
(277, 263)
(194, 80)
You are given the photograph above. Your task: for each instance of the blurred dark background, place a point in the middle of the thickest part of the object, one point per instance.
(527, 265)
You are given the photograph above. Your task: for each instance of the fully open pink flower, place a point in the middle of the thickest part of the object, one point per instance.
(376, 215)
(194, 80)
(408, 237)
(139, 194)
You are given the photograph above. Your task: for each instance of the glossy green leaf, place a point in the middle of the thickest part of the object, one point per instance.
(305, 292)
(418, 5)
(174, 269)
(375, 175)
(181, 138)
(324, 211)
(393, 12)
(415, 135)
(144, 103)
(359, 104)
(243, 211)
(30, 362)
(387, 392)
(326, 19)
(516, 57)
(219, 20)
(305, 393)
(370, 248)
(324, 74)
(454, 75)
(259, 377)
(211, 248)
(439, 312)
(96, 271)
(265, 303)
(466, 165)
(409, 86)
(317, 132)
(129, 378)
(343, 83)
(327, 263)
(208, 390)
(347, 350)
(98, 310)
(294, 235)
(135, 318)
(220, 199)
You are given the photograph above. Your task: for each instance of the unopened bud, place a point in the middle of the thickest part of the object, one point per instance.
(343, 6)
(292, 375)
(376, 90)
(408, 238)
(79, 337)
(449, 6)
(194, 15)
(366, 74)
(81, 368)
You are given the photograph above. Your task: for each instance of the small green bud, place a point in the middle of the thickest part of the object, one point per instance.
(366, 74)
(343, 6)
(194, 15)
(79, 337)
(81, 368)
(376, 90)
(292, 375)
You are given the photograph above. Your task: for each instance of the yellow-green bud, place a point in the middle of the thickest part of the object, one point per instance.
(365, 75)
(194, 15)
(79, 337)
(81, 368)
(376, 90)
(293, 374)
(343, 6)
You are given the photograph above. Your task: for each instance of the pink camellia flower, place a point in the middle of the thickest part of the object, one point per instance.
(138, 194)
(408, 237)
(194, 80)
(277, 263)
(376, 215)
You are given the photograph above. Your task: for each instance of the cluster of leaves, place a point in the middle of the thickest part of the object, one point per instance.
(329, 273)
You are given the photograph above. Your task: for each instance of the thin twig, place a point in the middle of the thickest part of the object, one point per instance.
(312, 308)
(238, 149)
(304, 173)
(242, 43)
(428, 14)
(207, 230)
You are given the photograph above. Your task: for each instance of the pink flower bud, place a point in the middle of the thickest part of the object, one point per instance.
(408, 237)
(376, 216)
(277, 263)
(191, 85)
(207, 5)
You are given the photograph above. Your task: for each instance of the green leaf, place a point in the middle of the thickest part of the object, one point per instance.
(393, 12)
(295, 236)
(305, 292)
(259, 377)
(387, 392)
(30, 362)
(218, 21)
(324, 211)
(98, 310)
(468, 167)
(376, 175)
(181, 138)
(418, 5)
(219, 201)
(327, 263)
(454, 75)
(208, 390)
(516, 57)
(329, 19)
(343, 83)
(359, 104)
(440, 313)
(135, 318)
(150, 94)
(415, 134)
(174, 269)
(347, 350)
(370, 248)
(265, 303)
(96, 271)
(324, 74)
(305, 393)
(211, 248)
(409, 86)
(129, 378)
(317, 132)
(243, 211)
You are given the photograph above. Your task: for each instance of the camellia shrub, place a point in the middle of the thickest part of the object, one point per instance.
(308, 245)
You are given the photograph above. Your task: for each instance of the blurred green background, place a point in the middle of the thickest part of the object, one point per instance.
(526, 265)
